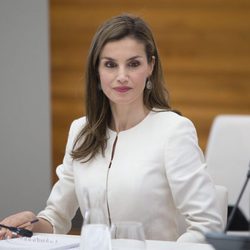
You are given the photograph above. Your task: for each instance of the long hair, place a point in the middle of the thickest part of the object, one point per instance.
(92, 139)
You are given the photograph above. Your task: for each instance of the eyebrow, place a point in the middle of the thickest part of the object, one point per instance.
(112, 59)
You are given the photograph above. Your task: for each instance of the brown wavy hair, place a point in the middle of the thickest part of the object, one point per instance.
(92, 139)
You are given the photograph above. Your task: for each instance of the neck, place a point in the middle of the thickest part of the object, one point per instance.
(125, 118)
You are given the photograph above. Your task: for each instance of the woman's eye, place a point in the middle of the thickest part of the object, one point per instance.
(134, 64)
(110, 64)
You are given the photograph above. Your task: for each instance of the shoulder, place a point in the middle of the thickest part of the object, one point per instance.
(78, 123)
(76, 126)
(170, 119)
(176, 129)
(170, 124)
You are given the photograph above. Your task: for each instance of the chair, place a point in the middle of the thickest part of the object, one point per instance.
(222, 201)
(228, 156)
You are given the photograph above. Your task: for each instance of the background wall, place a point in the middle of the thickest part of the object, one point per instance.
(204, 47)
(25, 161)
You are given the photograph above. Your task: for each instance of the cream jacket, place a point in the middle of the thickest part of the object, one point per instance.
(158, 170)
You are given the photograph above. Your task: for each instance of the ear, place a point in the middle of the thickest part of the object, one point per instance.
(151, 65)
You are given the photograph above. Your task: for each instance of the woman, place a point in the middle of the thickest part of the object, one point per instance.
(132, 144)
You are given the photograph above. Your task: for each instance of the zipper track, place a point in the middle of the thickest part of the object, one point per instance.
(107, 177)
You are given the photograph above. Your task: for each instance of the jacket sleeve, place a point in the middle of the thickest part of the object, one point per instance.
(192, 188)
(62, 202)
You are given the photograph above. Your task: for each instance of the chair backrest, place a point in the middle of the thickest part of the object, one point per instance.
(222, 201)
(228, 156)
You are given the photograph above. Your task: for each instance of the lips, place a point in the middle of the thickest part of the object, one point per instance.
(122, 89)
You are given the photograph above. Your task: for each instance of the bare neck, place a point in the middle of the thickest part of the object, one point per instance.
(126, 118)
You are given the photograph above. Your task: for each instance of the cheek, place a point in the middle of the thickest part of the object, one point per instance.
(140, 78)
(104, 79)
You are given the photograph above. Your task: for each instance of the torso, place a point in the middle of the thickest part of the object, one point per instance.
(137, 184)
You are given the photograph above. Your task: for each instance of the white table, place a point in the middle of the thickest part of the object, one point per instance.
(48, 241)
(159, 245)
(165, 245)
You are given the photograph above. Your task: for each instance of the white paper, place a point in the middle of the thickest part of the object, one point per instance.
(40, 242)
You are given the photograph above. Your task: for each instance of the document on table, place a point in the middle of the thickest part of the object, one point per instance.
(41, 242)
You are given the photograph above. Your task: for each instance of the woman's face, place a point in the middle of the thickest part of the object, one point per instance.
(123, 70)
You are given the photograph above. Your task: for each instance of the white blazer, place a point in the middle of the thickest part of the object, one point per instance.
(157, 170)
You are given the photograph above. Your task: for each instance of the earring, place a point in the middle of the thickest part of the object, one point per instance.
(149, 84)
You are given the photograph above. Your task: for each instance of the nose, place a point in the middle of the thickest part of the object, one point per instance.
(122, 76)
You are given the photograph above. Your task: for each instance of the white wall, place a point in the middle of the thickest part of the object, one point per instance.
(24, 106)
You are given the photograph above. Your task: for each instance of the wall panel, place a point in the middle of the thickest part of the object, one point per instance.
(204, 46)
